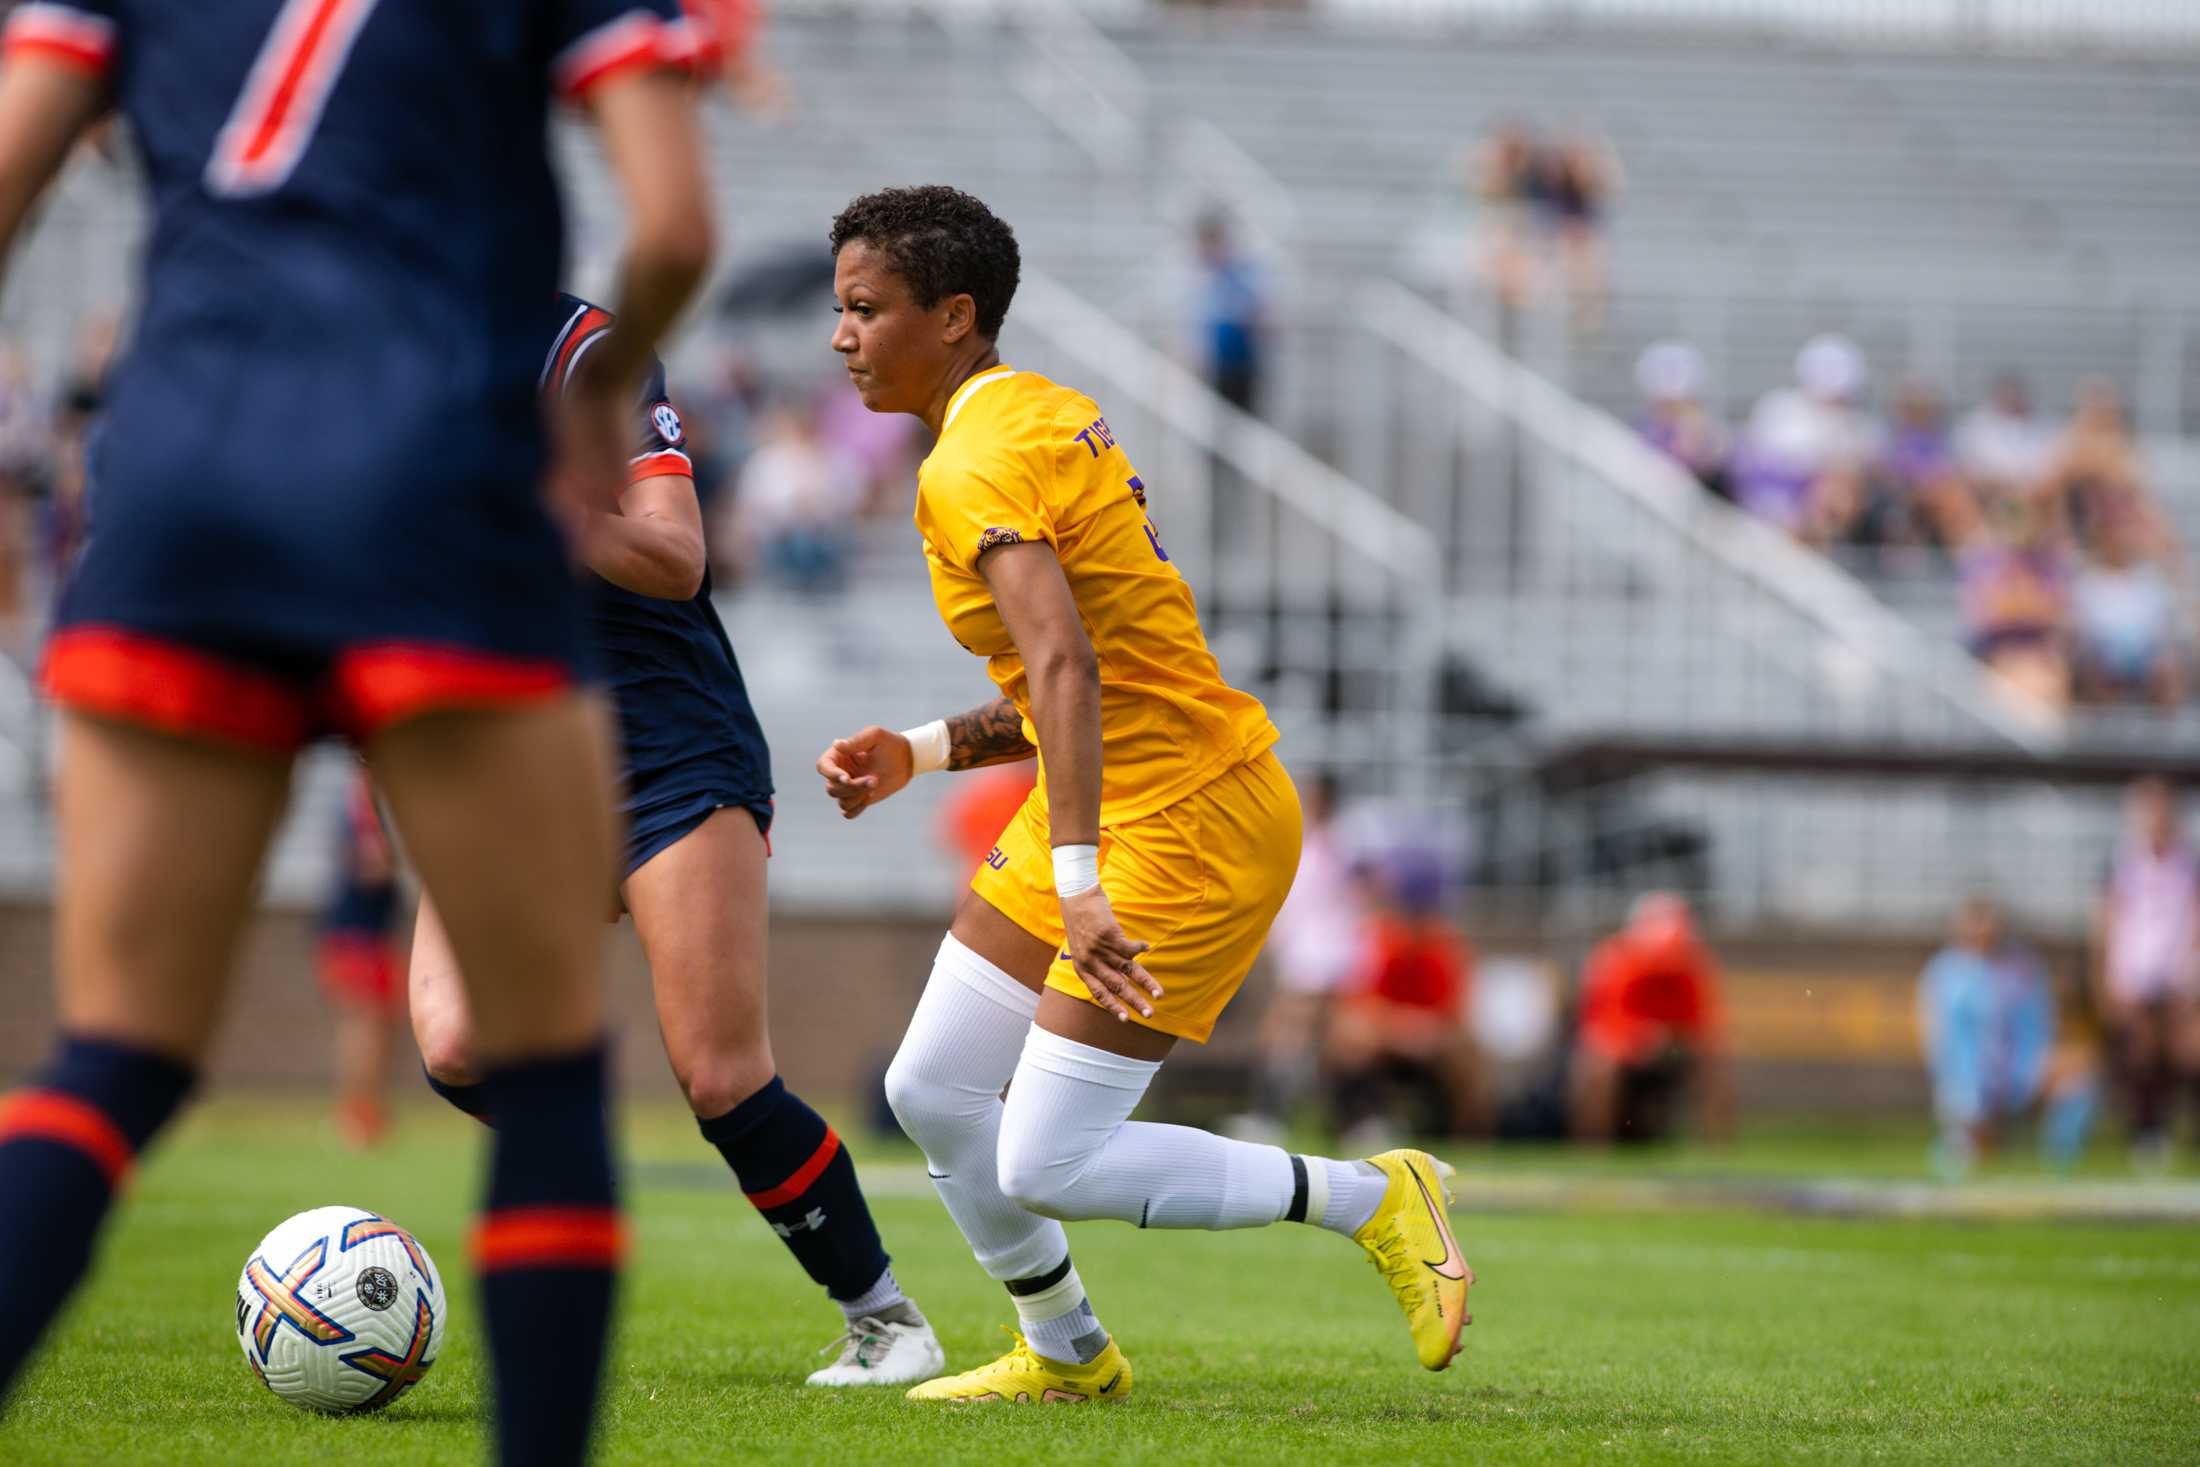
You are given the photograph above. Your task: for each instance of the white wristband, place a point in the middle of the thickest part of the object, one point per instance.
(1076, 870)
(927, 746)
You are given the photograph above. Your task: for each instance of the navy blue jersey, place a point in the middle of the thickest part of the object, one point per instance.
(354, 230)
(669, 664)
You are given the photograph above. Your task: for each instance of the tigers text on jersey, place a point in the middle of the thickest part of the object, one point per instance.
(1020, 459)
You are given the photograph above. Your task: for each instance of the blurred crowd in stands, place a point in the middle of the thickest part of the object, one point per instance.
(42, 442)
(1542, 204)
(1378, 1017)
(2072, 581)
(1381, 1015)
(2007, 1047)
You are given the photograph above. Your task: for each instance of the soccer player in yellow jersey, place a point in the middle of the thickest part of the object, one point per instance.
(1126, 900)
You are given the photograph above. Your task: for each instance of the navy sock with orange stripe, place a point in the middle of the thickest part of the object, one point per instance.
(548, 1248)
(796, 1172)
(67, 1141)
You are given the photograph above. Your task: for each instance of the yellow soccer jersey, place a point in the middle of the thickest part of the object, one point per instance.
(1021, 458)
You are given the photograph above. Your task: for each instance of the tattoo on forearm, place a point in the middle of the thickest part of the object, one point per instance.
(993, 734)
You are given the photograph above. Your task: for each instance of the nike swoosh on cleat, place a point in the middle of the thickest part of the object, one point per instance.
(1111, 1382)
(1451, 1257)
(936, 1176)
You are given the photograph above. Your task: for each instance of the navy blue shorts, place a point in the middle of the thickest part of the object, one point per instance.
(652, 831)
(664, 804)
(263, 609)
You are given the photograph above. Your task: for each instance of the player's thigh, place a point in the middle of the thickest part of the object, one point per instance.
(159, 843)
(1201, 881)
(699, 907)
(508, 815)
(436, 994)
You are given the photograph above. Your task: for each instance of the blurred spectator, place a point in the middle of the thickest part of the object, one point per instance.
(83, 392)
(2124, 622)
(721, 408)
(1315, 946)
(2096, 471)
(2001, 448)
(360, 967)
(1806, 448)
(2013, 570)
(1581, 178)
(795, 504)
(1230, 316)
(1507, 180)
(1651, 1029)
(1673, 419)
(980, 806)
(2148, 978)
(22, 473)
(1401, 1021)
(1986, 1016)
(1917, 471)
(881, 447)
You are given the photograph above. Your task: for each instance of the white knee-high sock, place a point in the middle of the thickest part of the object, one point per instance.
(1069, 1149)
(945, 1088)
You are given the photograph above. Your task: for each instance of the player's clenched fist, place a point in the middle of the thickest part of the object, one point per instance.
(865, 768)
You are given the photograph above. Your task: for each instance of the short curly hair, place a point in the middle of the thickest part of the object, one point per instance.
(943, 242)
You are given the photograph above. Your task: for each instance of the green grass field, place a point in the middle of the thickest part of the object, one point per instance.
(1644, 1336)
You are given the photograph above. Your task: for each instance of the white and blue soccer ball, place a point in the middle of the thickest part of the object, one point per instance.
(340, 1310)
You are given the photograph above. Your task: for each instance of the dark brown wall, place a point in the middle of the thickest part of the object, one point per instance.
(841, 994)
(842, 991)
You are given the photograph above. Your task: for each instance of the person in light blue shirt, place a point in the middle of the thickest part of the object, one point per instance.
(1230, 310)
(1986, 1014)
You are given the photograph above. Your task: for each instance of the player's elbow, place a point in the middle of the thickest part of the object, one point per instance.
(1068, 664)
(683, 569)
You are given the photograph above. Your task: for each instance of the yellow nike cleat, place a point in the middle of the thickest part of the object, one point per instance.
(1023, 1377)
(1409, 1241)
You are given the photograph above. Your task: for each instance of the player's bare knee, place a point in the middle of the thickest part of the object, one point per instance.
(715, 1086)
(449, 1062)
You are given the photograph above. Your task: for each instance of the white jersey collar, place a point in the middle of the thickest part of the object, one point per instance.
(962, 393)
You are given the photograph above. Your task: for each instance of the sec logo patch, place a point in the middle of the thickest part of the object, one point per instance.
(667, 421)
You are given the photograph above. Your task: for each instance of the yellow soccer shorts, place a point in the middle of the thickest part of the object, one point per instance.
(1200, 880)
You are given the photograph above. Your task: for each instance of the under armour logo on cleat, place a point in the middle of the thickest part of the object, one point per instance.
(809, 1224)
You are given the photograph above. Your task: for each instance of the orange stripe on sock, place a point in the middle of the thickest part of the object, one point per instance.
(805, 1174)
(549, 1237)
(50, 1115)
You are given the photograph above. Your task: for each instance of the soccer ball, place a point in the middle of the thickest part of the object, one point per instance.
(339, 1310)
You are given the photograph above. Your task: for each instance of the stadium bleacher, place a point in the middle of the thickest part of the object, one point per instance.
(1955, 214)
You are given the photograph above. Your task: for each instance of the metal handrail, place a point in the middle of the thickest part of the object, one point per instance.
(1752, 552)
(1348, 510)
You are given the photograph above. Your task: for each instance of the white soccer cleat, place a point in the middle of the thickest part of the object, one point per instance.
(879, 1352)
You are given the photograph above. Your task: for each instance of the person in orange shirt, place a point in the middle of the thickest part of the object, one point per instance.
(1122, 906)
(1403, 1018)
(1650, 1025)
(973, 817)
